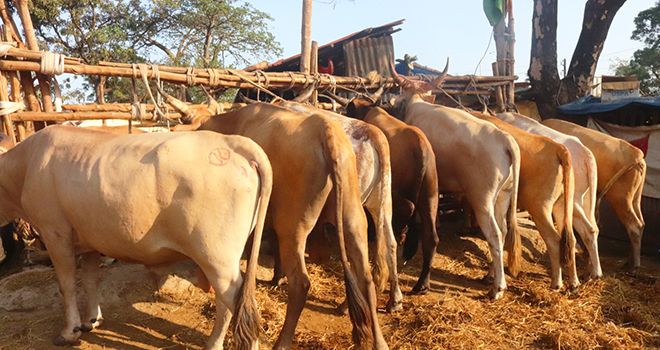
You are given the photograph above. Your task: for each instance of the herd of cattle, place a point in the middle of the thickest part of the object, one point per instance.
(291, 168)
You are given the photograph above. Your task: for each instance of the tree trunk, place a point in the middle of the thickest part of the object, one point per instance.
(306, 36)
(543, 74)
(598, 16)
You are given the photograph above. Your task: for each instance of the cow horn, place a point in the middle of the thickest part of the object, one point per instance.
(376, 95)
(401, 81)
(213, 106)
(341, 100)
(246, 99)
(179, 105)
(437, 82)
(305, 94)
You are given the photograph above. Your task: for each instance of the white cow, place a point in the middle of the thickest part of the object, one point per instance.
(584, 196)
(150, 199)
(475, 158)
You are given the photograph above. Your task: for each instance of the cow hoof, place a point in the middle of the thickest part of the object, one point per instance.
(394, 307)
(93, 324)
(279, 281)
(420, 290)
(487, 280)
(572, 289)
(61, 341)
(342, 309)
(495, 294)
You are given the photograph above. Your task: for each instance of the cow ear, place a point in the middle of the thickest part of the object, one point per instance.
(430, 98)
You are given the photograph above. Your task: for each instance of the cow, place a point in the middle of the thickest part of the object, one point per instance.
(374, 174)
(414, 183)
(150, 199)
(312, 159)
(475, 159)
(621, 173)
(584, 170)
(546, 174)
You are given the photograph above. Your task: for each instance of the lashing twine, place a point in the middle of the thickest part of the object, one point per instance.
(51, 63)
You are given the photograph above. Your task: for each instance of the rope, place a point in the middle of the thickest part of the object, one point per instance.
(144, 74)
(258, 86)
(191, 74)
(4, 49)
(214, 77)
(51, 63)
(8, 107)
(292, 82)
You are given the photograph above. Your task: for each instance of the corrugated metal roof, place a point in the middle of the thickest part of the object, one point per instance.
(369, 54)
(292, 63)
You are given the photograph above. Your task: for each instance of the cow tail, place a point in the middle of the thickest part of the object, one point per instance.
(420, 153)
(246, 327)
(358, 307)
(514, 245)
(568, 236)
(611, 182)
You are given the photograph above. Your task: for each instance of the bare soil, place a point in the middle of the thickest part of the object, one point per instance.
(145, 311)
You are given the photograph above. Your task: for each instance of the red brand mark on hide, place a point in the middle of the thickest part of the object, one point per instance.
(219, 156)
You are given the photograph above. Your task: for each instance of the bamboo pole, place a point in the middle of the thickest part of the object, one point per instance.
(7, 123)
(127, 107)
(33, 45)
(306, 36)
(314, 68)
(95, 115)
(499, 95)
(10, 24)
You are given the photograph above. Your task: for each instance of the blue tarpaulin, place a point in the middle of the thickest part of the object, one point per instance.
(593, 105)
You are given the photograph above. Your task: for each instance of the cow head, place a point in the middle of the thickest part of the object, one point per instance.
(410, 88)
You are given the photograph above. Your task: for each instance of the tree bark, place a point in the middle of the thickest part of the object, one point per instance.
(598, 16)
(306, 36)
(543, 74)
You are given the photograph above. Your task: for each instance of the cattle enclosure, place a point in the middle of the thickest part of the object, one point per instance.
(147, 310)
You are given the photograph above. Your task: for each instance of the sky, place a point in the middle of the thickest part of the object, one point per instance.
(436, 29)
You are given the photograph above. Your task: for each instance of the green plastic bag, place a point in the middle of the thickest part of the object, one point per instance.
(494, 10)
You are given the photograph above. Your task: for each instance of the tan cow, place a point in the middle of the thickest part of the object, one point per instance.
(374, 175)
(546, 173)
(584, 170)
(149, 199)
(414, 183)
(311, 159)
(476, 159)
(621, 172)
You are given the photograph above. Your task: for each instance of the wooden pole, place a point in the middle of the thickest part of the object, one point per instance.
(14, 35)
(511, 62)
(7, 123)
(306, 36)
(499, 96)
(315, 69)
(33, 45)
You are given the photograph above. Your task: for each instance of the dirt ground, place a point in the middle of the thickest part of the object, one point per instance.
(619, 311)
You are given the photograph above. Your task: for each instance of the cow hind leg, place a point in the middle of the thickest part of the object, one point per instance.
(227, 286)
(491, 230)
(90, 281)
(552, 241)
(293, 265)
(427, 213)
(589, 234)
(61, 251)
(381, 212)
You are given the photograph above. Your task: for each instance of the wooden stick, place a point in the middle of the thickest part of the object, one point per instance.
(314, 68)
(33, 45)
(7, 123)
(127, 107)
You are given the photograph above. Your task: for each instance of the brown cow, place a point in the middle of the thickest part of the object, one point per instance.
(374, 175)
(621, 172)
(153, 211)
(546, 173)
(414, 182)
(475, 159)
(311, 158)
